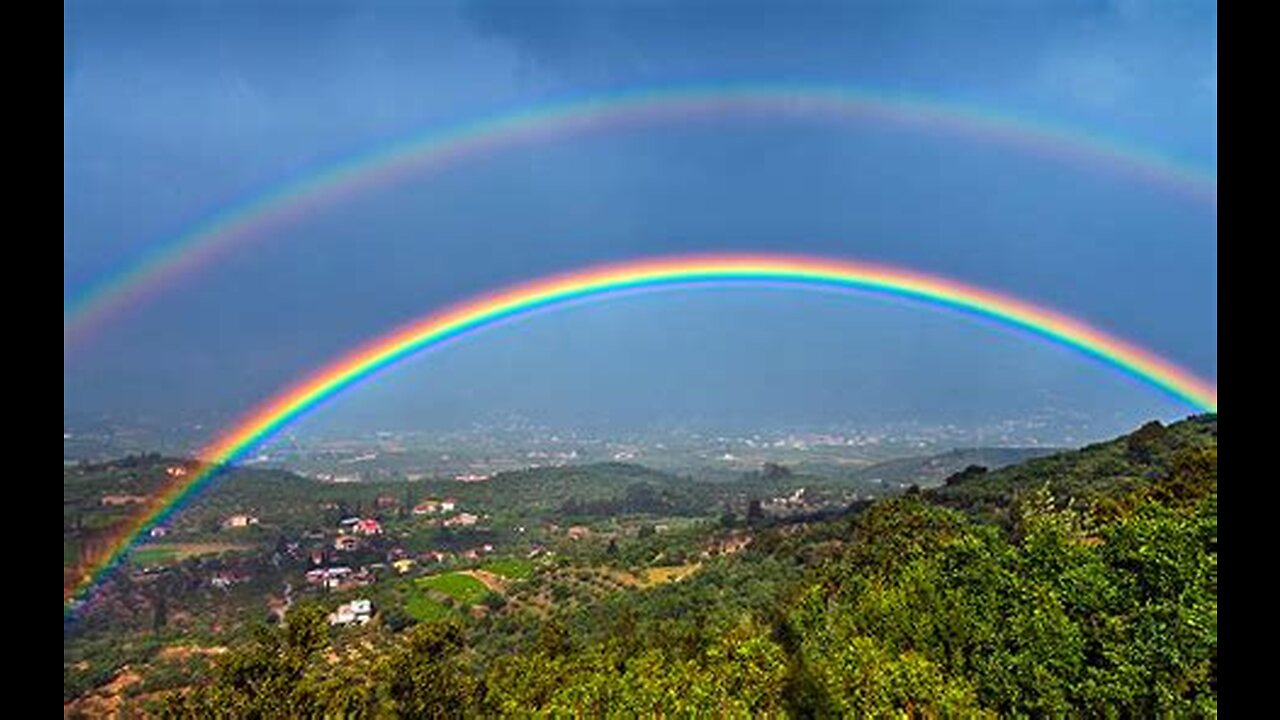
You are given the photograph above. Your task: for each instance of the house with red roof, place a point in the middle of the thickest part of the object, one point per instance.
(368, 526)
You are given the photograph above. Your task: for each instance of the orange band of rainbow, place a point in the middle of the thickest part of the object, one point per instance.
(262, 422)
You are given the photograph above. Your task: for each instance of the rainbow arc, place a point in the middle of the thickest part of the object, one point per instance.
(600, 282)
(258, 215)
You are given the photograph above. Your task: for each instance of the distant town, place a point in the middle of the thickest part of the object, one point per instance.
(476, 453)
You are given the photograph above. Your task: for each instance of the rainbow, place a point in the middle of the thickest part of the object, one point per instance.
(594, 283)
(436, 149)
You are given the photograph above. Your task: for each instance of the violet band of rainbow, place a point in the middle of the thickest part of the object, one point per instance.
(279, 205)
(268, 418)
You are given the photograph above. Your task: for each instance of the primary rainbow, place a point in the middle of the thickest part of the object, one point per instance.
(597, 282)
(284, 203)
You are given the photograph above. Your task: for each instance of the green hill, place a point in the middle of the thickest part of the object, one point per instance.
(1094, 593)
(1143, 459)
(934, 469)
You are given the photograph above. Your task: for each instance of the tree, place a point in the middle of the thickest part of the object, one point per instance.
(266, 678)
(553, 638)
(1192, 476)
(774, 472)
(969, 473)
(426, 678)
(160, 612)
(395, 619)
(1143, 443)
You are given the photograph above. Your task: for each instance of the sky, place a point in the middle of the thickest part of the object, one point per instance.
(173, 112)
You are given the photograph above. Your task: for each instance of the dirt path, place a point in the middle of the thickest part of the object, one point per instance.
(670, 573)
(105, 701)
(495, 583)
(182, 551)
(184, 652)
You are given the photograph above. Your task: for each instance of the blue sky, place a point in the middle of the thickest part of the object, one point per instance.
(172, 111)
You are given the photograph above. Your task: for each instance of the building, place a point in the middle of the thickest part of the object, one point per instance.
(368, 526)
(403, 565)
(116, 500)
(726, 546)
(346, 543)
(448, 505)
(356, 612)
(224, 580)
(330, 577)
(426, 507)
(239, 521)
(462, 520)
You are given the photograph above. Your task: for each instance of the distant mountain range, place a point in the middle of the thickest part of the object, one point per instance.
(934, 469)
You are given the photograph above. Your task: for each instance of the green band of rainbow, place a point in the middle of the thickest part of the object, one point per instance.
(258, 425)
(283, 204)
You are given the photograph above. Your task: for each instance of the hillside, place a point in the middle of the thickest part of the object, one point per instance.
(1080, 584)
(1142, 459)
(934, 469)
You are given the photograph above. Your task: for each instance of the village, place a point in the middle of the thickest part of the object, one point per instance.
(349, 559)
(379, 556)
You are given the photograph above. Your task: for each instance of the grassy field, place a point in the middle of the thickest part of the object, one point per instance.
(670, 573)
(424, 609)
(161, 553)
(463, 588)
(513, 568)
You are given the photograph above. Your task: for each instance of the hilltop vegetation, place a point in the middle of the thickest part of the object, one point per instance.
(1166, 462)
(934, 469)
(1079, 584)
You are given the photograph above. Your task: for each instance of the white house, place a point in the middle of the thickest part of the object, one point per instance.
(239, 521)
(357, 612)
(461, 520)
(331, 578)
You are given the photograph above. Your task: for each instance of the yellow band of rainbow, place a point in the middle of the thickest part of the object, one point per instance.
(436, 328)
(257, 215)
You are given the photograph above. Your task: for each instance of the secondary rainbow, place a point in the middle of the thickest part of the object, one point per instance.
(282, 204)
(599, 282)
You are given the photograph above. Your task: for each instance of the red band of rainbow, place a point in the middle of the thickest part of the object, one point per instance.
(255, 216)
(483, 311)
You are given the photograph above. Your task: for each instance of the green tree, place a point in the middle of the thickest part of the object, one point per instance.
(425, 676)
(1143, 443)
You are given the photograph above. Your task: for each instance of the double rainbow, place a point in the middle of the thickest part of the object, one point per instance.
(257, 215)
(599, 282)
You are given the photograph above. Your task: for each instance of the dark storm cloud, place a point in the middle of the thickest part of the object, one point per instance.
(174, 111)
